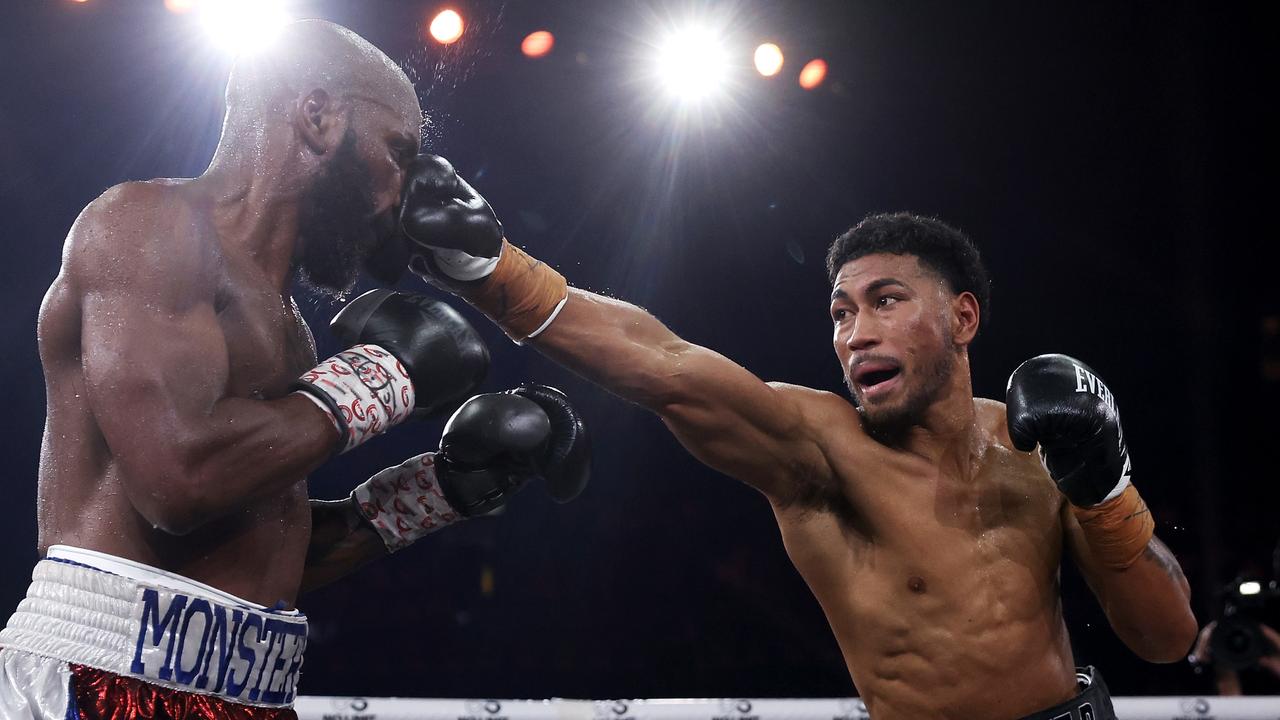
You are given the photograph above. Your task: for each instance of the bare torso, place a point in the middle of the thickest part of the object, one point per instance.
(942, 591)
(256, 552)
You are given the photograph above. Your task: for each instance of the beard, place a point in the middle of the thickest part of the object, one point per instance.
(337, 227)
(890, 423)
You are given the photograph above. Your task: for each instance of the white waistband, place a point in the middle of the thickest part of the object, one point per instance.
(150, 575)
(180, 637)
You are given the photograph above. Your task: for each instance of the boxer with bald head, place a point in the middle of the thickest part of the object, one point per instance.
(919, 517)
(186, 404)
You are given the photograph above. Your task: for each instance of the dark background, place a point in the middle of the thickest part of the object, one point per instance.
(1112, 160)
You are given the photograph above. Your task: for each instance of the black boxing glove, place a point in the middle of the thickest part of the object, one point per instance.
(1058, 403)
(454, 232)
(566, 461)
(496, 443)
(492, 446)
(410, 354)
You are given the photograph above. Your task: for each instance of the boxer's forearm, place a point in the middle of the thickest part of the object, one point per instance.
(341, 542)
(1148, 604)
(214, 465)
(618, 346)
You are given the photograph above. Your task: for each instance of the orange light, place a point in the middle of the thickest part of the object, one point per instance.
(813, 73)
(768, 59)
(446, 27)
(180, 6)
(536, 44)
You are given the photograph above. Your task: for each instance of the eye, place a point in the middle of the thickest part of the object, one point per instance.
(839, 314)
(886, 301)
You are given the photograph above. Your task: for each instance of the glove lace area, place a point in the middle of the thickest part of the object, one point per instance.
(405, 502)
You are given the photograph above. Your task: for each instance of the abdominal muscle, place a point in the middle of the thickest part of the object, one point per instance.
(940, 622)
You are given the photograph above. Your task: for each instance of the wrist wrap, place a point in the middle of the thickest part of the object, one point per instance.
(522, 295)
(405, 502)
(364, 389)
(1117, 530)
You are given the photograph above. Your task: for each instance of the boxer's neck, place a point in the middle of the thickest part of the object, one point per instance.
(254, 199)
(948, 434)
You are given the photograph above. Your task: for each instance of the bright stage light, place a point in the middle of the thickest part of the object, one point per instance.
(536, 44)
(1251, 587)
(768, 59)
(243, 25)
(813, 73)
(180, 6)
(446, 27)
(692, 63)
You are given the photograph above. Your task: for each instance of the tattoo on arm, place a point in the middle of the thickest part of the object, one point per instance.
(1158, 553)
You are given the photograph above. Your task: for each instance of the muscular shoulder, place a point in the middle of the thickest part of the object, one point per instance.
(147, 235)
(992, 416)
(818, 408)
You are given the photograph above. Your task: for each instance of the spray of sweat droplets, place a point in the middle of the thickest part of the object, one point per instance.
(438, 70)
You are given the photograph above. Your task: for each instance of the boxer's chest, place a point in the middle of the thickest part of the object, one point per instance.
(268, 343)
(914, 526)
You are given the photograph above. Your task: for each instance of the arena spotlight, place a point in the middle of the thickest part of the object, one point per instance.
(179, 7)
(692, 63)
(813, 73)
(537, 44)
(243, 25)
(768, 59)
(446, 27)
(1251, 587)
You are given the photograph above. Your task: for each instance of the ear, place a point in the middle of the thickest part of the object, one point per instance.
(965, 316)
(318, 122)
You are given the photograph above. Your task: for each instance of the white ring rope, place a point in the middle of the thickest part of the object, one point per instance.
(361, 708)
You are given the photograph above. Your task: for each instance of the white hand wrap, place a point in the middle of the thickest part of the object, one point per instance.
(364, 389)
(405, 502)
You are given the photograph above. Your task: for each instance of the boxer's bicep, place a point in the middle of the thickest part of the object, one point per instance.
(726, 416)
(152, 352)
(751, 430)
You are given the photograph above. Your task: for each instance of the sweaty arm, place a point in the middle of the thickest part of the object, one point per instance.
(1148, 603)
(155, 364)
(1059, 405)
(724, 415)
(341, 542)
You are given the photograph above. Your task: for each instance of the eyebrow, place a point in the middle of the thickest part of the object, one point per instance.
(840, 294)
(883, 283)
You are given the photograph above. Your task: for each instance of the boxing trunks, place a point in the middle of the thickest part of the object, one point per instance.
(1093, 702)
(100, 636)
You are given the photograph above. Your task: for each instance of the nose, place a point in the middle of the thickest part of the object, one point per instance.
(389, 198)
(864, 332)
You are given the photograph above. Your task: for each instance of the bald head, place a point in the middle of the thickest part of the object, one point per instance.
(307, 56)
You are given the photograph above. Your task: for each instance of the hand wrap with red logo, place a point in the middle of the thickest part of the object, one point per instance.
(364, 390)
(405, 502)
(410, 355)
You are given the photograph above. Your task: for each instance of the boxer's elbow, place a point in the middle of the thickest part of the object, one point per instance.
(173, 496)
(1164, 640)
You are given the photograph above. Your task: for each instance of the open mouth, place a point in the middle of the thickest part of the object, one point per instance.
(875, 374)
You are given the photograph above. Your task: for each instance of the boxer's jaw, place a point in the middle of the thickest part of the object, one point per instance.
(337, 223)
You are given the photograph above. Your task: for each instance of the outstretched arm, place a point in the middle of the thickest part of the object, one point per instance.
(726, 416)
